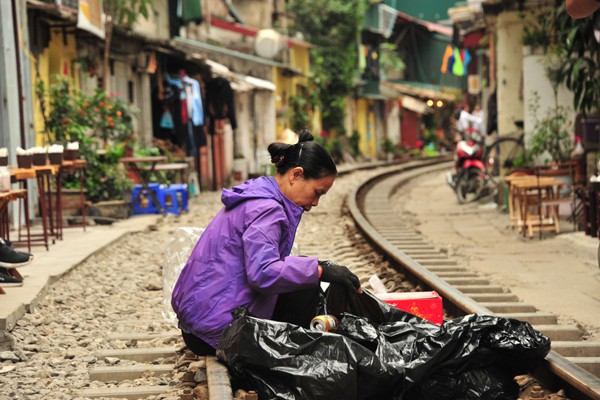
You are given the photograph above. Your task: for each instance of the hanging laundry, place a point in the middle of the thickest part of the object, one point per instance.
(466, 59)
(457, 68)
(451, 62)
(195, 107)
(166, 121)
(220, 103)
(447, 54)
(362, 57)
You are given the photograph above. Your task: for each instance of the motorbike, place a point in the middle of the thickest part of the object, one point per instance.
(471, 181)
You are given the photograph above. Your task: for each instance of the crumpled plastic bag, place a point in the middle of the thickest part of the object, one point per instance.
(387, 354)
(179, 247)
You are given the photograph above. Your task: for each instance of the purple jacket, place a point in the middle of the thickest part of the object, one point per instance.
(242, 259)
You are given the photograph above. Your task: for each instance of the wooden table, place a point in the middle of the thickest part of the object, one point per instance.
(533, 192)
(42, 175)
(144, 173)
(174, 168)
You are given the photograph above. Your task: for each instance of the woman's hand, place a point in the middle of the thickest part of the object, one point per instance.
(334, 273)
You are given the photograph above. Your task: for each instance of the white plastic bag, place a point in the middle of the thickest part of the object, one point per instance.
(179, 248)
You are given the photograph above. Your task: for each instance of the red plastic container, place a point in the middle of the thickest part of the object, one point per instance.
(427, 305)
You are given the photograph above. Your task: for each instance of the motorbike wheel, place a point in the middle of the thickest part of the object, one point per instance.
(470, 185)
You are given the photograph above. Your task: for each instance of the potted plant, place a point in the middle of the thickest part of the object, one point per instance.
(388, 148)
(576, 46)
(551, 135)
(391, 65)
(102, 127)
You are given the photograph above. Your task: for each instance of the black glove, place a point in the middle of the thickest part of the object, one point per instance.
(335, 273)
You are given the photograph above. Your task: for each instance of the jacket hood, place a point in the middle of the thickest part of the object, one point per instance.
(264, 187)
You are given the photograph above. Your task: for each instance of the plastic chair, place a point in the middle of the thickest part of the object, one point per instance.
(178, 195)
(145, 205)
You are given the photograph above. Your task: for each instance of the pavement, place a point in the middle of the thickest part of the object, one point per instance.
(558, 273)
(50, 265)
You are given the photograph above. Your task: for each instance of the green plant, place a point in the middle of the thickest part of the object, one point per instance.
(536, 30)
(333, 146)
(389, 59)
(119, 12)
(333, 29)
(102, 127)
(579, 52)
(388, 145)
(110, 120)
(573, 45)
(299, 117)
(551, 132)
(355, 144)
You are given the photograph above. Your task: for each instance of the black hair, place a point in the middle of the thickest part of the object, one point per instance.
(307, 153)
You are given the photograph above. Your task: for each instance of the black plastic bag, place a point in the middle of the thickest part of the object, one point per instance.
(387, 354)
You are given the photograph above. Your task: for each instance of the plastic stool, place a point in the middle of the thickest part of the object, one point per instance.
(178, 195)
(150, 207)
(165, 193)
(182, 191)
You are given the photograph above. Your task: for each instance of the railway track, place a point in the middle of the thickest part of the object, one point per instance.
(357, 227)
(573, 365)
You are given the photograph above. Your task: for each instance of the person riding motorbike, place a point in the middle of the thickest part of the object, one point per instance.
(471, 142)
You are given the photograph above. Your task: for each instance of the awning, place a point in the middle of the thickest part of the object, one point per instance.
(430, 26)
(420, 90)
(218, 69)
(415, 105)
(244, 83)
(260, 83)
(207, 48)
(239, 82)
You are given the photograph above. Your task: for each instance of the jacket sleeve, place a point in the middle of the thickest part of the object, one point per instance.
(267, 270)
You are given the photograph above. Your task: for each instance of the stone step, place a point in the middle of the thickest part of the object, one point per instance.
(408, 247)
(446, 268)
(508, 307)
(440, 261)
(417, 252)
(136, 392)
(577, 349)
(456, 274)
(560, 332)
(421, 256)
(128, 372)
(467, 281)
(534, 318)
(467, 289)
(139, 355)
(493, 297)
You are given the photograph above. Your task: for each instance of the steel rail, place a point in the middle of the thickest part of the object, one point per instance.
(572, 375)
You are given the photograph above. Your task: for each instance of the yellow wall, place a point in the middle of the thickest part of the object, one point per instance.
(365, 125)
(57, 58)
(287, 86)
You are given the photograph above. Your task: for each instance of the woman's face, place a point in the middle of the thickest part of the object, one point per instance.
(307, 192)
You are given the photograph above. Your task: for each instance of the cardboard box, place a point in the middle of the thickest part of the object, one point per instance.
(427, 305)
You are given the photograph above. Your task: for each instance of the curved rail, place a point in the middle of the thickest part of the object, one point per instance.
(586, 385)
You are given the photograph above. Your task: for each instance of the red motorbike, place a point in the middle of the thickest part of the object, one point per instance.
(471, 181)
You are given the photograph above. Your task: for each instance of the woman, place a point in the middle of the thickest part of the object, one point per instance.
(243, 257)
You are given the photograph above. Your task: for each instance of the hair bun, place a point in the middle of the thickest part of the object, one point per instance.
(278, 160)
